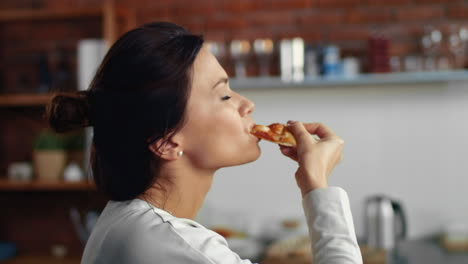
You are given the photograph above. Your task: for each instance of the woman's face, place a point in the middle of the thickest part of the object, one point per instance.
(216, 133)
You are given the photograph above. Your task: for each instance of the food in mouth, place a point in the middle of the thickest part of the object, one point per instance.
(276, 133)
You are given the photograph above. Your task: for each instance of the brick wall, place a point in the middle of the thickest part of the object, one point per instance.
(347, 23)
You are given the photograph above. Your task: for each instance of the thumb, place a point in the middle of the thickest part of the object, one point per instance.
(300, 132)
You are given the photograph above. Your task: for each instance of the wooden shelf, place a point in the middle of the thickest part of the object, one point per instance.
(107, 11)
(18, 100)
(38, 14)
(13, 186)
(41, 260)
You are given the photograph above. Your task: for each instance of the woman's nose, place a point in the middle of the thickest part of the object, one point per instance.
(247, 106)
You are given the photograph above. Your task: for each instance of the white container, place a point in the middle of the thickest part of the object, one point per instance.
(90, 55)
(298, 59)
(73, 173)
(351, 67)
(286, 63)
(20, 171)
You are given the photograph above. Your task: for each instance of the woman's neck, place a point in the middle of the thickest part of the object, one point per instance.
(182, 194)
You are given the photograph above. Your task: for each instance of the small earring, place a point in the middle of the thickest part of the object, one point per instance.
(180, 153)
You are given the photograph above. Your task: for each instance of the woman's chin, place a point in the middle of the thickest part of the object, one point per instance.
(253, 156)
(246, 157)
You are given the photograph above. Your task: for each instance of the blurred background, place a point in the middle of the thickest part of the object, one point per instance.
(388, 76)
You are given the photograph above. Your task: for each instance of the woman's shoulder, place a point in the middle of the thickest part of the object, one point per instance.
(137, 217)
(142, 214)
(183, 237)
(140, 220)
(135, 232)
(188, 230)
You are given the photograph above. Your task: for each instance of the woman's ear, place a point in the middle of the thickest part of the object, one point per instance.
(166, 148)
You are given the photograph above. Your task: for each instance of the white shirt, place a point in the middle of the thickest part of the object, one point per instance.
(135, 232)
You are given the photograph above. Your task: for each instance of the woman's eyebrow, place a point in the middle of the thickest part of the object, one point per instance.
(222, 80)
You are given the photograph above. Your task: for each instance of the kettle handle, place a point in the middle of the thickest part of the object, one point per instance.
(401, 213)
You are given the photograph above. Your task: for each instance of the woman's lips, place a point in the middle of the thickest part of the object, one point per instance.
(251, 127)
(250, 131)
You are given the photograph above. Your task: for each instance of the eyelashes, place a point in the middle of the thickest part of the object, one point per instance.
(225, 98)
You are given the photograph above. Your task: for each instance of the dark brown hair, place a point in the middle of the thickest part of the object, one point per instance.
(139, 95)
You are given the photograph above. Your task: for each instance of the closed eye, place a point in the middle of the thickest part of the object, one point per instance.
(227, 97)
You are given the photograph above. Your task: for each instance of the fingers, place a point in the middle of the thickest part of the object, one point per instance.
(289, 152)
(303, 133)
(316, 158)
(300, 132)
(320, 130)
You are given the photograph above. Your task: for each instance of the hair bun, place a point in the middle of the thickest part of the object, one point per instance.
(67, 112)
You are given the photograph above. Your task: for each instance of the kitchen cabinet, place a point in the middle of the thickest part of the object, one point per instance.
(21, 106)
(36, 215)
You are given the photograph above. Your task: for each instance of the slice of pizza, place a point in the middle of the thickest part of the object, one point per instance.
(276, 133)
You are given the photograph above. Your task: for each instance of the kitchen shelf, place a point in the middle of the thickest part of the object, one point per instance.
(108, 11)
(22, 117)
(360, 80)
(18, 100)
(41, 260)
(14, 186)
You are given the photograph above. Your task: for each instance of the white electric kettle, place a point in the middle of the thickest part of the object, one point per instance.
(385, 222)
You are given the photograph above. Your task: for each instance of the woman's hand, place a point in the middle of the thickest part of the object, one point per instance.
(316, 158)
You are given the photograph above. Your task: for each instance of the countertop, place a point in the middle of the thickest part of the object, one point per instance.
(426, 251)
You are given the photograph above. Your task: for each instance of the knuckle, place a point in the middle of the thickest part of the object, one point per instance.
(340, 141)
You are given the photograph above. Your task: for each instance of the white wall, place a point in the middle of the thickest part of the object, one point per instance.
(407, 141)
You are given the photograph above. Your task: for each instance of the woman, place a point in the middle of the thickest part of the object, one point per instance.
(165, 120)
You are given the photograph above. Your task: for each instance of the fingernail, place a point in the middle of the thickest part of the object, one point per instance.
(290, 122)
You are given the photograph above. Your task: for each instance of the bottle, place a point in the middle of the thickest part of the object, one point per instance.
(311, 67)
(331, 61)
(286, 61)
(45, 78)
(298, 59)
(378, 53)
(61, 80)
